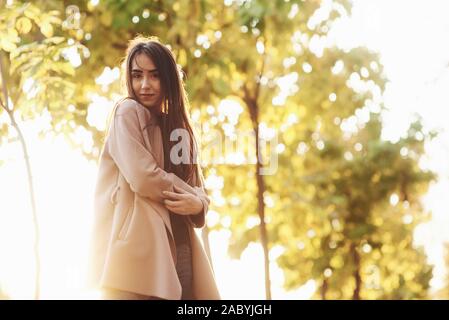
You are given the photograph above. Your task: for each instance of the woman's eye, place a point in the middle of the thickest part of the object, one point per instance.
(156, 76)
(136, 76)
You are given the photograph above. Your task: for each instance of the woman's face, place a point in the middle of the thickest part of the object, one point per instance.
(145, 82)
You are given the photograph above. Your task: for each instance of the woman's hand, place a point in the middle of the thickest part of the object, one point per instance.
(182, 202)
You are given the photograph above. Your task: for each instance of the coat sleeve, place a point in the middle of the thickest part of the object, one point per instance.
(199, 220)
(138, 164)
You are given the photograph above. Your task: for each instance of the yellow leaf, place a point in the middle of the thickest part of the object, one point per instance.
(54, 40)
(54, 13)
(375, 178)
(289, 136)
(182, 58)
(90, 6)
(89, 24)
(12, 33)
(106, 18)
(302, 111)
(79, 34)
(32, 12)
(47, 29)
(6, 45)
(23, 25)
(337, 262)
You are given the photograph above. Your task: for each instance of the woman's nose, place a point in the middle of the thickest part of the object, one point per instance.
(146, 83)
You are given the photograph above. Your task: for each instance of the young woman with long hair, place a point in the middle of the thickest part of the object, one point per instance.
(150, 191)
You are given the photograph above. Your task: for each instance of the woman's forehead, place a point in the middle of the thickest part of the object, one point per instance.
(143, 62)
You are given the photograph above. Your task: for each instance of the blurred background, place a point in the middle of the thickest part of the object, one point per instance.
(346, 97)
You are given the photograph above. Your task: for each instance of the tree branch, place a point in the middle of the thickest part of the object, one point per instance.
(4, 85)
(262, 69)
(30, 178)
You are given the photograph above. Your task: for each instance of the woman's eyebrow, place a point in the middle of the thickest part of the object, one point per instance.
(140, 70)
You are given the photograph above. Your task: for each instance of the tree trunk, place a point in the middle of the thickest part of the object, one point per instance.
(253, 111)
(10, 112)
(261, 212)
(358, 279)
(324, 287)
(253, 108)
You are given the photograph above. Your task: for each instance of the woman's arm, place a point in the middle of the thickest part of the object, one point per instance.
(195, 207)
(183, 203)
(135, 162)
(198, 220)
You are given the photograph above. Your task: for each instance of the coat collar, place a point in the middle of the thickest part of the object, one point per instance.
(146, 117)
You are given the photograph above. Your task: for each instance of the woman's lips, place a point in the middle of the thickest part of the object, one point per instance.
(147, 96)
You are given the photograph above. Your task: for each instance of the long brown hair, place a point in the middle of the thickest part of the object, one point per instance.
(175, 104)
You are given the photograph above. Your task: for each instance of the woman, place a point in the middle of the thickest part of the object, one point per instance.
(147, 202)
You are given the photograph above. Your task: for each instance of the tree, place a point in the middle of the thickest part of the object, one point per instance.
(217, 34)
(365, 198)
(259, 77)
(35, 77)
(443, 293)
(328, 204)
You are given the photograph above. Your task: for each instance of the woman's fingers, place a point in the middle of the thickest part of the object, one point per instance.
(171, 203)
(179, 190)
(174, 195)
(180, 203)
(177, 206)
(177, 209)
(178, 194)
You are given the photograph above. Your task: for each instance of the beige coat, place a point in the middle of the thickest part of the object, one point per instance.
(132, 247)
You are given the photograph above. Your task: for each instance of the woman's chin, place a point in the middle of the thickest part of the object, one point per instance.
(147, 104)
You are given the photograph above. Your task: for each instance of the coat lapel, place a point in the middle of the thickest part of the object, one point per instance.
(153, 139)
